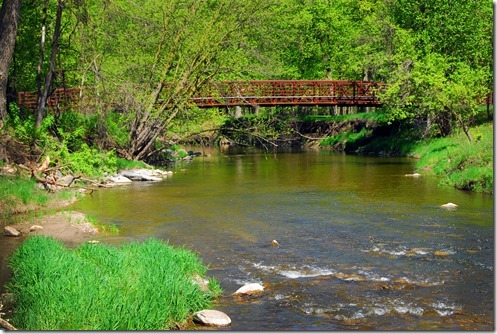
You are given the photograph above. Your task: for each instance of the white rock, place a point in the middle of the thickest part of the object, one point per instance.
(249, 289)
(119, 179)
(449, 206)
(9, 231)
(35, 228)
(414, 175)
(212, 318)
(275, 243)
(142, 175)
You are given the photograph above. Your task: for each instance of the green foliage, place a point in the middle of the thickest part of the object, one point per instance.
(463, 164)
(349, 139)
(136, 286)
(88, 161)
(116, 128)
(124, 164)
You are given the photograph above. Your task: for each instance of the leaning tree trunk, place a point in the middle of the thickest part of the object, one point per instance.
(44, 92)
(9, 16)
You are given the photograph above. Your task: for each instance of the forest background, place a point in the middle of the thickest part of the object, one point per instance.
(140, 61)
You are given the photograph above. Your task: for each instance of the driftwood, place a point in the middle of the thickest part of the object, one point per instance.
(5, 324)
(44, 168)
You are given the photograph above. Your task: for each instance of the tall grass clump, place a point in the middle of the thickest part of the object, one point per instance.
(21, 189)
(17, 193)
(136, 286)
(123, 164)
(459, 162)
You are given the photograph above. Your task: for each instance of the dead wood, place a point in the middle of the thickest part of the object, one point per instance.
(5, 324)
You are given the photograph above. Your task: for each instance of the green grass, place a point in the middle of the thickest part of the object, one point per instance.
(124, 164)
(137, 286)
(17, 194)
(347, 138)
(104, 228)
(22, 189)
(463, 164)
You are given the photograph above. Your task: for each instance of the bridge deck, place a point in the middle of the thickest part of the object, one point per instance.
(253, 93)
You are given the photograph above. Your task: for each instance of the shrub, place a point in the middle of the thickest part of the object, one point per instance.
(137, 286)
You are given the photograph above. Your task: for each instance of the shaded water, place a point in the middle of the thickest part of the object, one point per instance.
(362, 246)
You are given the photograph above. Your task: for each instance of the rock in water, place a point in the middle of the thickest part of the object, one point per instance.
(212, 318)
(9, 231)
(275, 243)
(449, 206)
(249, 288)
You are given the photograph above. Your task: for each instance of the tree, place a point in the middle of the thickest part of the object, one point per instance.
(9, 17)
(45, 87)
(181, 44)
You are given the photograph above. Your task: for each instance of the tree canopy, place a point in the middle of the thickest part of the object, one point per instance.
(144, 58)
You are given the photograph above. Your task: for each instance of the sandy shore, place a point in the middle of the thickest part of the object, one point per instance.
(67, 226)
(70, 227)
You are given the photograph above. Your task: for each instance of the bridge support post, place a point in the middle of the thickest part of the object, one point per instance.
(238, 111)
(255, 109)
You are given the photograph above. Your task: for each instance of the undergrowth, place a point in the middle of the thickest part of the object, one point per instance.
(458, 162)
(136, 286)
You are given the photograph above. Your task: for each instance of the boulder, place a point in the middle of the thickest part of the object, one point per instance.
(449, 206)
(9, 231)
(119, 179)
(212, 318)
(275, 243)
(66, 180)
(143, 174)
(250, 288)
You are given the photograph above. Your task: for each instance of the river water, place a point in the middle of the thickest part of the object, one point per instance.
(362, 246)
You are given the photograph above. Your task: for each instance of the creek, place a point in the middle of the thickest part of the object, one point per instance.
(362, 246)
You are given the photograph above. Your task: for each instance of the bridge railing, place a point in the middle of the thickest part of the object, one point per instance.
(288, 92)
(250, 93)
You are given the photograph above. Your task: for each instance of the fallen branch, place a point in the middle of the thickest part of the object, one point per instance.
(307, 137)
(5, 324)
(94, 182)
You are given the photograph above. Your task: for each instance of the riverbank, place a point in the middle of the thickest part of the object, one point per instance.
(36, 214)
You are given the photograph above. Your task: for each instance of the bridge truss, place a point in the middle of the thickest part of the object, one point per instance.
(264, 93)
(267, 93)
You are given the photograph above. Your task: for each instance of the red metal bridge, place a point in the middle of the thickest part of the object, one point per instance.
(267, 93)
(262, 93)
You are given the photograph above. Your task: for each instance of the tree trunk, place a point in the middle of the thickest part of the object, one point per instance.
(9, 16)
(43, 94)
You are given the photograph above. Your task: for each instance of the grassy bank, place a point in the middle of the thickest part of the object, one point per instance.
(457, 161)
(21, 199)
(136, 286)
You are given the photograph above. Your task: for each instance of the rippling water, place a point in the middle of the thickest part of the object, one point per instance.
(362, 246)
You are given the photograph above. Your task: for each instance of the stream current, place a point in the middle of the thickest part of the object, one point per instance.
(362, 245)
